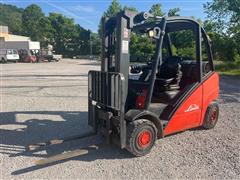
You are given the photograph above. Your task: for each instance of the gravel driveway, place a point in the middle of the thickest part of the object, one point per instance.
(49, 100)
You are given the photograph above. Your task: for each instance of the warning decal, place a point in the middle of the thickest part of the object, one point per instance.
(125, 46)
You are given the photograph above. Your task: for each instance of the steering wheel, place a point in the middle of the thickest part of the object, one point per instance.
(135, 69)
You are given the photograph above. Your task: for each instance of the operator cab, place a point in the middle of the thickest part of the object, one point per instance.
(178, 72)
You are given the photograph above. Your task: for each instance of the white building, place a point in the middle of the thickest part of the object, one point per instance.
(10, 37)
(17, 42)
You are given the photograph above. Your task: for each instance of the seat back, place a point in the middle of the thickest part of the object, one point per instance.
(170, 68)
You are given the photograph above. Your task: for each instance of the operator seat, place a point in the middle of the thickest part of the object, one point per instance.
(167, 80)
(170, 74)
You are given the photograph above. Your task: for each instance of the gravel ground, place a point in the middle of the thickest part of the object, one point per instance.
(49, 100)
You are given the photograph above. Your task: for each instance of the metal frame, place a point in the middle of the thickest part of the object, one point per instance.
(106, 90)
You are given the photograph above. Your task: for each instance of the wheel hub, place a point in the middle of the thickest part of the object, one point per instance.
(214, 115)
(144, 139)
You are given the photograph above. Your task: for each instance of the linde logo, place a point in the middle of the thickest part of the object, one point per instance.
(192, 107)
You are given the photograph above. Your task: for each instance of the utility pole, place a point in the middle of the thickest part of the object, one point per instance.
(90, 39)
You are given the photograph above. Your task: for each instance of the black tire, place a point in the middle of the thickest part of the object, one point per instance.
(211, 116)
(136, 132)
(3, 60)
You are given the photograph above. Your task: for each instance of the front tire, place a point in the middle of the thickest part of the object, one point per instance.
(211, 116)
(141, 137)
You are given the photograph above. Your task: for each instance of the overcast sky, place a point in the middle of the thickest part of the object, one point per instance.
(87, 13)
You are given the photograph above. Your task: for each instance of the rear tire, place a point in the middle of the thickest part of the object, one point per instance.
(141, 137)
(211, 116)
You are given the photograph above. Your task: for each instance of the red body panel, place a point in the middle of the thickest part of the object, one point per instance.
(191, 112)
(210, 92)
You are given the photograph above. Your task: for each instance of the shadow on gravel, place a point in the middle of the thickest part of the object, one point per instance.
(69, 123)
(107, 152)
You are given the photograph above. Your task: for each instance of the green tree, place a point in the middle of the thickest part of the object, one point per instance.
(224, 17)
(62, 33)
(113, 9)
(11, 16)
(225, 13)
(32, 18)
(65, 34)
(174, 12)
(224, 48)
(46, 31)
(141, 47)
(156, 10)
(83, 39)
(67, 37)
(96, 44)
(133, 9)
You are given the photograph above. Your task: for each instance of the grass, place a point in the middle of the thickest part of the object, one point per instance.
(227, 68)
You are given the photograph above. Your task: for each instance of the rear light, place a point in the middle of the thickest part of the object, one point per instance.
(140, 102)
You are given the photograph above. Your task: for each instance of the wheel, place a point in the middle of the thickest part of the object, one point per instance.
(211, 116)
(141, 137)
(3, 60)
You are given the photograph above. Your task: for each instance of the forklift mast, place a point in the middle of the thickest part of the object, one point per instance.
(115, 56)
(108, 88)
(115, 43)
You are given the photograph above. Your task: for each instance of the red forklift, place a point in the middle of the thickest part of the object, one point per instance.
(168, 93)
(134, 105)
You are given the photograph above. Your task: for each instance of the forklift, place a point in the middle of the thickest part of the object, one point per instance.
(134, 105)
(170, 94)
